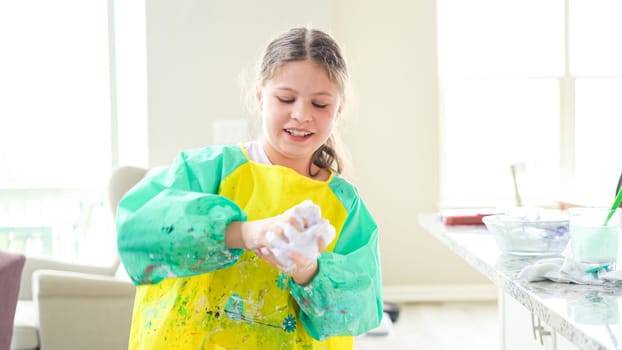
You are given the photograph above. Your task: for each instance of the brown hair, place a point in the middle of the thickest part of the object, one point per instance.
(298, 44)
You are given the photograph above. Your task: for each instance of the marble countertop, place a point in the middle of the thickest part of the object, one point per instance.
(586, 315)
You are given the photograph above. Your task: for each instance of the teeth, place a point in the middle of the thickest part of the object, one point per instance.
(297, 133)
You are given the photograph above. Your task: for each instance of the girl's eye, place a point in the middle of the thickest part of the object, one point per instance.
(319, 105)
(285, 100)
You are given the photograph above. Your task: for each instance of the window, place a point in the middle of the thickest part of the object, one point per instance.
(59, 131)
(56, 94)
(533, 84)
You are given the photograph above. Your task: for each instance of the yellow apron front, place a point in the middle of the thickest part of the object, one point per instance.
(246, 305)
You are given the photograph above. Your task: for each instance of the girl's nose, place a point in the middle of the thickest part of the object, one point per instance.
(301, 113)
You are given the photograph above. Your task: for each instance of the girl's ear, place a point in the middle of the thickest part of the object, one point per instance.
(342, 103)
(258, 96)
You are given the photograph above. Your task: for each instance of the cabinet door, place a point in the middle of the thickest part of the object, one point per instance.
(520, 330)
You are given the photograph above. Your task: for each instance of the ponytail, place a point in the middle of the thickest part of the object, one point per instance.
(326, 157)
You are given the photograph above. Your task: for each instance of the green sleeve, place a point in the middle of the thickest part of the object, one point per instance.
(345, 297)
(173, 223)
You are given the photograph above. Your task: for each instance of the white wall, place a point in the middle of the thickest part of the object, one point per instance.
(197, 48)
(392, 51)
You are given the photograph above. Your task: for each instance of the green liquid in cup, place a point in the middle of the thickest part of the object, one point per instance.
(595, 245)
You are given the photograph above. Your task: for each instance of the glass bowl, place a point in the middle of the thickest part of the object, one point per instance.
(539, 233)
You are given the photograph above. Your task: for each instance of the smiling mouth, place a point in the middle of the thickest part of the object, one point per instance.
(298, 133)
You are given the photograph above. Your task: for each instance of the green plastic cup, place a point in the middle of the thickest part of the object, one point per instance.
(592, 242)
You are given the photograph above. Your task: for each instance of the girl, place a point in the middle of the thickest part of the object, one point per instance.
(197, 238)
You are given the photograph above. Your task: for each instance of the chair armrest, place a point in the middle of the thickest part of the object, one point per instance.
(82, 311)
(34, 264)
(63, 284)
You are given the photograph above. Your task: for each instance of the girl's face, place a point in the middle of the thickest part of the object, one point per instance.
(298, 106)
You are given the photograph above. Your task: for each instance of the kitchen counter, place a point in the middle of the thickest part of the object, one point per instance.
(587, 316)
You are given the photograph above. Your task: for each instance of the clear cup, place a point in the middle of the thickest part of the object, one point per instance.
(591, 241)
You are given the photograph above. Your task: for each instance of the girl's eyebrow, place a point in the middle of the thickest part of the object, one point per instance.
(320, 93)
(286, 89)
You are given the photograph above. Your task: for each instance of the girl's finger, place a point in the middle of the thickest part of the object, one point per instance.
(274, 232)
(269, 258)
(321, 244)
(299, 260)
(298, 225)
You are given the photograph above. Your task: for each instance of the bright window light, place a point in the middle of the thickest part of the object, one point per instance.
(524, 84)
(501, 38)
(55, 90)
(65, 123)
(490, 125)
(595, 34)
(598, 125)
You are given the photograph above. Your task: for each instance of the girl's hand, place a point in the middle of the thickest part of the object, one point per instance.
(258, 234)
(304, 269)
(253, 235)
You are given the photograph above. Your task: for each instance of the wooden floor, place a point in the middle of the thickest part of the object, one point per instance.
(455, 325)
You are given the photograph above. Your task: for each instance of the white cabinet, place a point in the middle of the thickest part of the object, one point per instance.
(523, 330)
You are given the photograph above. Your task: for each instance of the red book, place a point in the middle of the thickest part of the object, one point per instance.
(467, 216)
